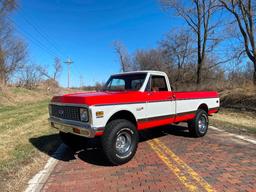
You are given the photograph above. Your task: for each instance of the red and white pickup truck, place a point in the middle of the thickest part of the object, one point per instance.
(129, 102)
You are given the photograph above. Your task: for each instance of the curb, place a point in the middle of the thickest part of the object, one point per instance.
(37, 182)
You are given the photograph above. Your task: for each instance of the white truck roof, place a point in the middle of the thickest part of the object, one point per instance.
(149, 72)
(145, 71)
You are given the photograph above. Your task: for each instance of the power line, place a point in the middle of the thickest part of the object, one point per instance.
(34, 40)
(43, 35)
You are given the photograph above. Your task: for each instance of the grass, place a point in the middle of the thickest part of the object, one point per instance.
(18, 90)
(13, 96)
(241, 122)
(22, 151)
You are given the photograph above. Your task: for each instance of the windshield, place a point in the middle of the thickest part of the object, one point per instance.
(122, 82)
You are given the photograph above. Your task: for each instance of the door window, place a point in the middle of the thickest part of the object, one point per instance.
(158, 83)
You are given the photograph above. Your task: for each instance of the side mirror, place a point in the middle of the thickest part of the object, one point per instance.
(172, 88)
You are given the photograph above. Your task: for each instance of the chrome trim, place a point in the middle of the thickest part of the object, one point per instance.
(90, 116)
(69, 104)
(67, 126)
(202, 124)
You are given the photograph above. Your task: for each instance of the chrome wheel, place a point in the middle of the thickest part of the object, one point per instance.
(123, 142)
(202, 124)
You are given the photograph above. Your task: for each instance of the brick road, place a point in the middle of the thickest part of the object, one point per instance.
(167, 160)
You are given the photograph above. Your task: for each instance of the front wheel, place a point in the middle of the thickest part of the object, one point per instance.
(198, 126)
(120, 141)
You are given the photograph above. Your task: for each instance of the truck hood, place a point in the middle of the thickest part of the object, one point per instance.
(101, 98)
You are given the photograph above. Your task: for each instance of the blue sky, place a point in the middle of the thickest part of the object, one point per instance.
(85, 30)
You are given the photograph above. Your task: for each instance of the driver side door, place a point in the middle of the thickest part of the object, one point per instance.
(160, 106)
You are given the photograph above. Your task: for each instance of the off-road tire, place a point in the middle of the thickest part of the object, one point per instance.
(110, 140)
(194, 124)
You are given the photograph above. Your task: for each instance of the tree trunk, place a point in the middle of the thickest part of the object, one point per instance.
(2, 78)
(198, 73)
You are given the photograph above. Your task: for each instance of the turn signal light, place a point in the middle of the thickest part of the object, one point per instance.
(76, 130)
(99, 114)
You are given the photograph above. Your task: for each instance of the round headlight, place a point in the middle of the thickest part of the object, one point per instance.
(83, 114)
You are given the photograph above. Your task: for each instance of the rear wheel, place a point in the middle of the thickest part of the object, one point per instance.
(120, 141)
(198, 127)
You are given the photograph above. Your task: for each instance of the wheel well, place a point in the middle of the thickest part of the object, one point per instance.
(124, 115)
(203, 107)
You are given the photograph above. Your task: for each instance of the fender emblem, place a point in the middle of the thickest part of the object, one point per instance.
(139, 108)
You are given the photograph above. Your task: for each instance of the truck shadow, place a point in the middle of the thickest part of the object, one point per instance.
(90, 151)
(176, 130)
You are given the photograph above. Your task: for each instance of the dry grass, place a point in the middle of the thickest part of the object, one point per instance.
(11, 96)
(238, 110)
(26, 139)
(20, 157)
(241, 122)
(239, 98)
(17, 181)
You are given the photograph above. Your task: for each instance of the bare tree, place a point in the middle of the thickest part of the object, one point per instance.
(124, 58)
(44, 71)
(30, 77)
(15, 55)
(7, 6)
(152, 59)
(177, 47)
(57, 68)
(12, 50)
(198, 14)
(244, 14)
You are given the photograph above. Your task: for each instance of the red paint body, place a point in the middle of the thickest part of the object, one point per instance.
(125, 97)
(111, 98)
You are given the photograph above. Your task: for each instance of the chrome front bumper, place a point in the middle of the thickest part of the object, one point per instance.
(74, 127)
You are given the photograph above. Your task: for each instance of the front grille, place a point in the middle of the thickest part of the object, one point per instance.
(66, 112)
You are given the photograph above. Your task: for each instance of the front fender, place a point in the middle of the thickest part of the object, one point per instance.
(109, 111)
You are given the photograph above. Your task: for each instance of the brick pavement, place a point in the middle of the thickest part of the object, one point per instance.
(217, 160)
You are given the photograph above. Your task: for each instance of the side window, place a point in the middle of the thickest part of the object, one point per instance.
(158, 83)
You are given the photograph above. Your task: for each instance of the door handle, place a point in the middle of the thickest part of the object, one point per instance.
(173, 97)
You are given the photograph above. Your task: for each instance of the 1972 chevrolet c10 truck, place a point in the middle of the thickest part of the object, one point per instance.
(129, 102)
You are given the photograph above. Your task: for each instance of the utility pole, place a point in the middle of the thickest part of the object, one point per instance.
(68, 62)
(81, 81)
